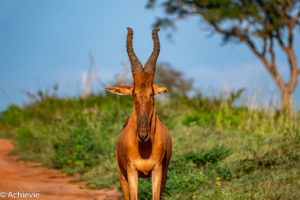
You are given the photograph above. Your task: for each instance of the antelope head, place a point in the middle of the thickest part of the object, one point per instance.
(143, 89)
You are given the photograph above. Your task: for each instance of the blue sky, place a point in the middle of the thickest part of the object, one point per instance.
(43, 43)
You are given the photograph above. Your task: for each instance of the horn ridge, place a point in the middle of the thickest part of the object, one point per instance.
(151, 63)
(136, 66)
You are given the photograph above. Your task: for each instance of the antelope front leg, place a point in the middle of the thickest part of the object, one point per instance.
(156, 181)
(132, 176)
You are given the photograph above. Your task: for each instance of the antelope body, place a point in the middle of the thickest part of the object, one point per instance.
(144, 147)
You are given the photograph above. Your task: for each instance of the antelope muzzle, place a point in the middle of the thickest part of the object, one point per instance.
(143, 129)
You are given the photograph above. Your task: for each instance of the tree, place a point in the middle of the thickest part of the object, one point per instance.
(172, 79)
(260, 24)
(88, 78)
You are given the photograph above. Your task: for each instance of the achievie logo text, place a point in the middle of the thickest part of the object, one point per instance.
(18, 194)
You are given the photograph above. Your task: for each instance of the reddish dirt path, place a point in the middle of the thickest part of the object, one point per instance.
(51, 184)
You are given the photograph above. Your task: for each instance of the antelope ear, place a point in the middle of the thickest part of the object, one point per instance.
(121, 90)
(159, 89)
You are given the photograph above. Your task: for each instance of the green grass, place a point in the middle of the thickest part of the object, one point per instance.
(220, 151)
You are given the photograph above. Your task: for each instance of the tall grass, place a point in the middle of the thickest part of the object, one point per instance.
(220, 150)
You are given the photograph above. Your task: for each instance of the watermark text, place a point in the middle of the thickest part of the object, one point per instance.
(19, 195)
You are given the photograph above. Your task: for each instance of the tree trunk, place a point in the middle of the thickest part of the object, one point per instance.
(286, 99)
(286, 89)
(286, 92)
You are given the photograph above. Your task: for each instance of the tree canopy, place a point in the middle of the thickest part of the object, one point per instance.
(259, 24)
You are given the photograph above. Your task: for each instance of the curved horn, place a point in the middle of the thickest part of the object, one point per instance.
(136, 66)
(151, 63)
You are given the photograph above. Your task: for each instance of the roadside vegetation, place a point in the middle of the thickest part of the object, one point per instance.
(221, 149)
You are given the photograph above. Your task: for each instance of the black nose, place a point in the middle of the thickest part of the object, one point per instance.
(142, 138)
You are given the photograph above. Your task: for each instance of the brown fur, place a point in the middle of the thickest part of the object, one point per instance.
(151, 157)
(144, 147)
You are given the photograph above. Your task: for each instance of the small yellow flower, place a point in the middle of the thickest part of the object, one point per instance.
(186, 179)
(218, 182)
(194, 196)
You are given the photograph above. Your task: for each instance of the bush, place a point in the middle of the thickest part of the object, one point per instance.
(185, 173)
(218, 147)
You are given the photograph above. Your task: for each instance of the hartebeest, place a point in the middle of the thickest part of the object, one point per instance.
(144, 147)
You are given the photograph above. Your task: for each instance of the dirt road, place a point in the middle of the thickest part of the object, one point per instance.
(42, 183)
